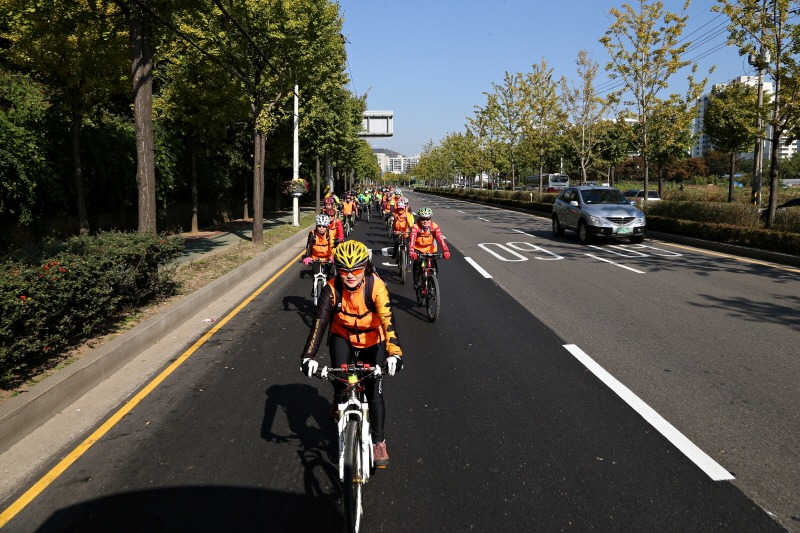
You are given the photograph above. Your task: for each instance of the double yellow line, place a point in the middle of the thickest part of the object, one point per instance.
(33, 492)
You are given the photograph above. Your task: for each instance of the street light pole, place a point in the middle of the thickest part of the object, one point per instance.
(296, 158)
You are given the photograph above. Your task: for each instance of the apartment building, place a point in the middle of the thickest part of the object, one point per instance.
(704, 145)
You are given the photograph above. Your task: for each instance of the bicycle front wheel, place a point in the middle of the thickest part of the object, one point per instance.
(432, 301)
(353, 478)
(402, 262)
(318, 286)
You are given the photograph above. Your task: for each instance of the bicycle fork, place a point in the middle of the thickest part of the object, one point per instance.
(354, 409)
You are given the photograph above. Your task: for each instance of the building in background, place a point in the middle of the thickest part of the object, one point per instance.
(391, 161)
(703, 145)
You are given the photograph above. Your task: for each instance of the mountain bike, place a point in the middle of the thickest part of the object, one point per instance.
(402, 254)
(321, 277)
(348, 225)
(356, 460)
(365, 210)
(428, 290)
(389, 224)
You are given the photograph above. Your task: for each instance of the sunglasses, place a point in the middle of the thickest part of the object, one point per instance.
(355, 271)
(424, 219)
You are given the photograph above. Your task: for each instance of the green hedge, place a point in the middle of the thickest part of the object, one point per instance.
(765, 239)
(54, 296)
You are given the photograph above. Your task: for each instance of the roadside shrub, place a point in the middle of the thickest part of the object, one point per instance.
(715, 212)
(773, 240)
(54, 296)
(788, 219)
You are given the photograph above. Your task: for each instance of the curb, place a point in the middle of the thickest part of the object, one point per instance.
(20, 415)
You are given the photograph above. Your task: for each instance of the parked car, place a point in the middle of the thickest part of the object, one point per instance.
(636, 195)
(794, 202)
(597, 212)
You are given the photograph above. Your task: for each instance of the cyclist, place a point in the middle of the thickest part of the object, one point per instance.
(424, 235)
(349, 210)
(403, 220)
(320, 244)
(360, 330)
(337, 230)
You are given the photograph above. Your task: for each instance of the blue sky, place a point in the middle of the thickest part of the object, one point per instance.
(431, 61)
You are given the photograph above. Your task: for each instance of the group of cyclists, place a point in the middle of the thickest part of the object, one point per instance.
(355, 303)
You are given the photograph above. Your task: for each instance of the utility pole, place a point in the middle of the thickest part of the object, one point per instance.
(758, 157)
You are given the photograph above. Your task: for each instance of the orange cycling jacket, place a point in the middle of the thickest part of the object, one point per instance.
(352, 319)
(423, 240)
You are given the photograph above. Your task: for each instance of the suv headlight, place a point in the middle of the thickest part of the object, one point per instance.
(598, 221)
(639, 221)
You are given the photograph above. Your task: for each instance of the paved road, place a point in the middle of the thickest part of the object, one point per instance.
(494, 425)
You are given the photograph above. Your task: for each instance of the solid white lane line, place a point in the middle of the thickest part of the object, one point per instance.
(616, 264)
(481, 218)
(678, 439)
(477, 267)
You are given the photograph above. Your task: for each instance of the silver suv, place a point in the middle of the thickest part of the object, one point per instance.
(594, 211)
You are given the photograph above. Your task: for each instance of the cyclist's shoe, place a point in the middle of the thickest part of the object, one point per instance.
(380, 454)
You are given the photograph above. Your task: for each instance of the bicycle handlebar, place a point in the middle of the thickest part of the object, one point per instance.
(360, 369)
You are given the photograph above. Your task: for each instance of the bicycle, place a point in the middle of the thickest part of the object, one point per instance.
(348, 225)
(356, 460)
(428, 290)
(365, 210)
(321, 277)
(389, 224)
(402, 255)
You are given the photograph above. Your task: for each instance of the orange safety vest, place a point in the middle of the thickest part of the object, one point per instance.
(354, 321)
(347, 208)
(402, 222)
(425, 242)
(322, 248)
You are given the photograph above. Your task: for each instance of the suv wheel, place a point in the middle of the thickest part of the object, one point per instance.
(558, 229)
(583, 233)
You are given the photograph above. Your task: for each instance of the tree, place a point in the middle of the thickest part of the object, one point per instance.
(23, 107)
(510, 117)
(585, 110)
(670, 134)
(646, 48)
(75, 47)
(768, 31)
(730, 122)
(543, 113)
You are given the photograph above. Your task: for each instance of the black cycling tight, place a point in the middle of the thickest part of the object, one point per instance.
(343, 353)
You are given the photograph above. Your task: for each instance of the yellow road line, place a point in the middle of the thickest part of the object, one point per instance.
(735, 257)
(84, 446)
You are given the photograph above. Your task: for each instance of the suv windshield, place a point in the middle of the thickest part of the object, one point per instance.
(603, 196)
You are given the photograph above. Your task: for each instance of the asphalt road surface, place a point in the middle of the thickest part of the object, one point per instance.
(617, 388)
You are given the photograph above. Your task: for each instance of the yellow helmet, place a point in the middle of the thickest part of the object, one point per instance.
(351, 254)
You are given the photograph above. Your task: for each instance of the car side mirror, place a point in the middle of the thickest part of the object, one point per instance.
(573, 203)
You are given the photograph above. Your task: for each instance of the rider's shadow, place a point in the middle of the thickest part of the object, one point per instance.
(303, 306)
(318, 451)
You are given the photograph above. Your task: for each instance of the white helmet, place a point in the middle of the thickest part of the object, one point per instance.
(323, 220)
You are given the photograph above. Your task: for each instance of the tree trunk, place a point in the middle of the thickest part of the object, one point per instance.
(259, 144)
(77, 166)
(142, 75)
(730, 181)
(193, 162)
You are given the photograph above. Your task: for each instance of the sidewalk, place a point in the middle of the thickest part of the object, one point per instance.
(210, 240)
(24, 413)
